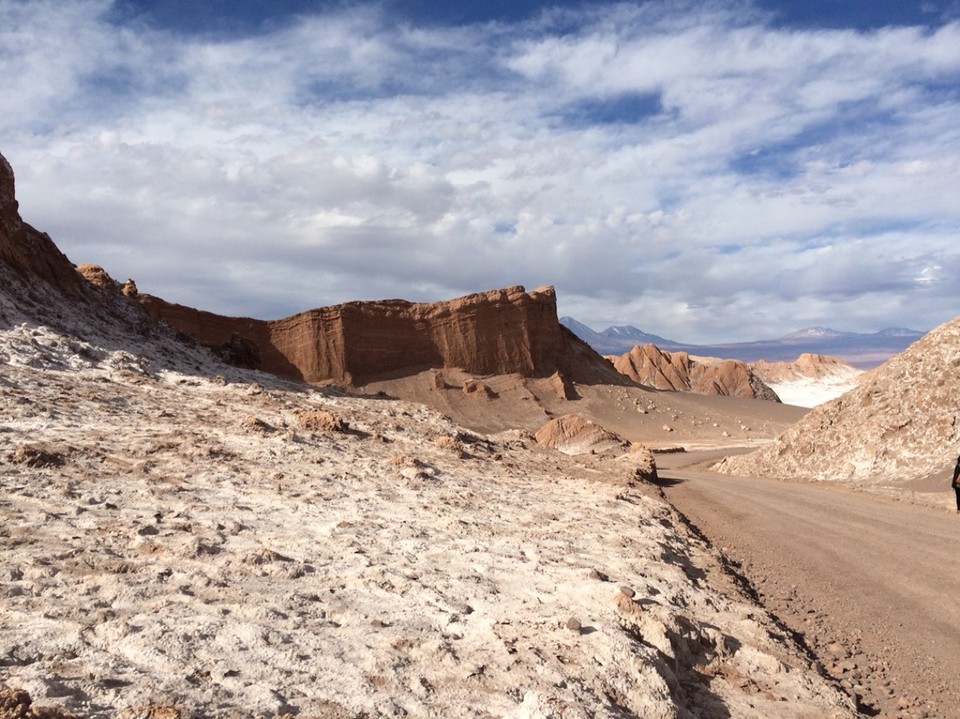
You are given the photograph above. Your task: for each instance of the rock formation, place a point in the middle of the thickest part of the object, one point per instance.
(507, 331)
(573, 434)
(901, 422)
(807, 366)
(679, 372)
(31, 254)
(810, 380)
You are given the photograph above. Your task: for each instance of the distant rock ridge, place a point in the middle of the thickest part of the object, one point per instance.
(506, 331)
(679, 372)
(860, 350)
(808, 365)
(901, 422)
(810, 380)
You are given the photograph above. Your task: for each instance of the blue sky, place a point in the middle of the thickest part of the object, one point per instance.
(707, 171)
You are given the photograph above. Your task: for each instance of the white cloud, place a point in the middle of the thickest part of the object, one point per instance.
(344, 156)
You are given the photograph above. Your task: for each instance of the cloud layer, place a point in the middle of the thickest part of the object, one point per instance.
(692, 169)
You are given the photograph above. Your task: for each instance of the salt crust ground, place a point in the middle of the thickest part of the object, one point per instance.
(809, 391)
(190, 544)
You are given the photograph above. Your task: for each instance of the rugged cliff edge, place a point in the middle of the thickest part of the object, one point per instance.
(31, 254)
(679, 372)
(507, 331)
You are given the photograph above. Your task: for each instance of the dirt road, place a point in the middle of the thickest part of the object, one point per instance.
(870, 584)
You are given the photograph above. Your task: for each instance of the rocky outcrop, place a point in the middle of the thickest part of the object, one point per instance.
(807, 366)
(507, 331)
(573, 434)
(30, 253)
(901, 422)
(808, 381)
(679, 372)
(640, 463)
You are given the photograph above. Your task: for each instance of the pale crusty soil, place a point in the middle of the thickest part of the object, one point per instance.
(213, 545)
(868, 581)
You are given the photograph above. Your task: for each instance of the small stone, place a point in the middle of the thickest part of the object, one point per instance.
(574, 625)
(627, 592)
(837, 650)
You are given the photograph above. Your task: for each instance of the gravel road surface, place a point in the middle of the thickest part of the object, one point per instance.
(870, 584)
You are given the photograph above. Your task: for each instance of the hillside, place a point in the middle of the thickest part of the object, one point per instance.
(901, 423)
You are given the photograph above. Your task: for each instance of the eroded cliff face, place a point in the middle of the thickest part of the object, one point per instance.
(678, 372)
(506, 331)
(28, 252)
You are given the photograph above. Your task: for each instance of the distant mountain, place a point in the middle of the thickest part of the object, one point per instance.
(582, 331)
(815, 333)
(629, 332)
(898, 332)
(860, 350)
(618, 339)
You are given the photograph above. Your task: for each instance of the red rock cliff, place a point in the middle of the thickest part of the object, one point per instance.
(508, 331)
(30, 253)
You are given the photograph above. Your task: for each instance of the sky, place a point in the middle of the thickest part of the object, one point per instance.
(705, 171)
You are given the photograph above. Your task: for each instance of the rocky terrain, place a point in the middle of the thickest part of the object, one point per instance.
(809, 380)
(183, 537)
(677, 371)
(900, 424)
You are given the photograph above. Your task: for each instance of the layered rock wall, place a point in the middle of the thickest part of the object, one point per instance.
(508, 331)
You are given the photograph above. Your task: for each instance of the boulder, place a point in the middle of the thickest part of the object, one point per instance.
(573, 434)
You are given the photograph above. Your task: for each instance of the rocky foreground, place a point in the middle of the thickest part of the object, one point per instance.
(181, 534)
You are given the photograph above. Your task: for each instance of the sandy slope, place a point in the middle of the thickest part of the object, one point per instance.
(867, 580)
(169, 538)
(659, 419)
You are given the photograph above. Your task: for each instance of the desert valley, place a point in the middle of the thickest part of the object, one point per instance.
(454, 509)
